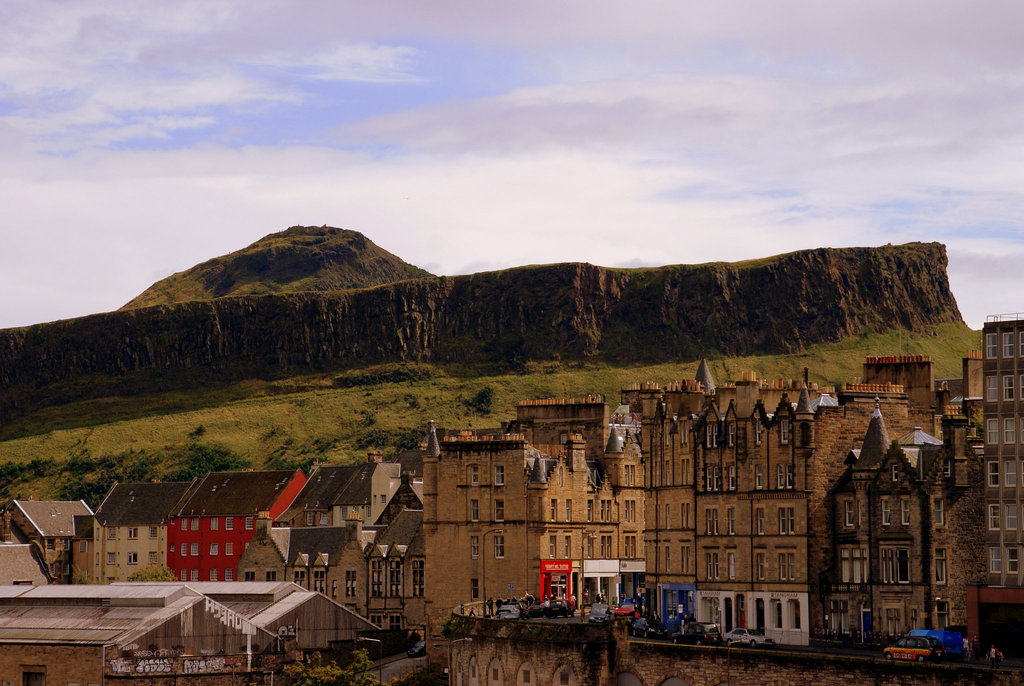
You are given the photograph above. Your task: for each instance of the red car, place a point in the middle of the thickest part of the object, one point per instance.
(627, 609)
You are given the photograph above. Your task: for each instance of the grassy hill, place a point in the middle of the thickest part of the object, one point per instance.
(77, 450)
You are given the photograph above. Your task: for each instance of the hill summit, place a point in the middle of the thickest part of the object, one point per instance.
(301, 258)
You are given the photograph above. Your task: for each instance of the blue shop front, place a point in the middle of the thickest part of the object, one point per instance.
(676, 604)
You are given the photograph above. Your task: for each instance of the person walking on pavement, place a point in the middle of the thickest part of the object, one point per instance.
(993, 656)
(966, 649)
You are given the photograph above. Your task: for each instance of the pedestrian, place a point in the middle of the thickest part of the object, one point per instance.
(993, 656)
(490, 606)
(975, 646)
(966, 647)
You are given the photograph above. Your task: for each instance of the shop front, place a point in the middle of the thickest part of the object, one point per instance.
(781, 615)
(601, 579)
(631, 580)
(676, 604)
(554, 579)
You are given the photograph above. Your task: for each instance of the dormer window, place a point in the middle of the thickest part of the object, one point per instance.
(712, 436)
(784, 431)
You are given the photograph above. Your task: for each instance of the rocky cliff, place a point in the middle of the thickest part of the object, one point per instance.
(562, 311)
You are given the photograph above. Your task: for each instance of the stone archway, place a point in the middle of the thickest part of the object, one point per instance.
(495, 675)
(674, 681)
(628, 679)
(474, 673)
(564, 676)
(526, 675)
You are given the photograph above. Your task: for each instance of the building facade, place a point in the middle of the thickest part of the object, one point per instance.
(49, 524)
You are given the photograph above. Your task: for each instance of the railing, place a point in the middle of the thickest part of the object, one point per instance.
(1004, 317)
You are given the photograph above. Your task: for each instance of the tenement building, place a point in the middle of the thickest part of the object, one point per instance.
(553, 507)
(998, 602)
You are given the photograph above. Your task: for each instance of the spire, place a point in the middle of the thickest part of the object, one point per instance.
(876, 441)
(433, 447)
(803, 406)
(613, 447)
(704, 377)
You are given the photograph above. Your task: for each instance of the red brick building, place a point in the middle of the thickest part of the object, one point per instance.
(208, 529)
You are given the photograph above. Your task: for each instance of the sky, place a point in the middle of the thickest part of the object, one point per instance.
(140, 138)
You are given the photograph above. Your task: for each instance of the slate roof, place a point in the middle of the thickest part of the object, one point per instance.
(614, 446)
(53, 518)
(19, 562)
(403, 530)
(234, 493)
(140, 504)
(824, 400)
(311, 542)
(321, 488)
(704, 377)
(918, 437)
(876, 442)
(803, 406)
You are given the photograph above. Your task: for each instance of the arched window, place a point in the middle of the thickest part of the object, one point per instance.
(805, 434)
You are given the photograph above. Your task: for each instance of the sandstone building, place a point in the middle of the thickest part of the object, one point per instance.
(48, 524)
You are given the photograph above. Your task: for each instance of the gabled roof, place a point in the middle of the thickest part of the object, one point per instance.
(308, 542)
(53, 518)
(21, 563)
(234, 493)
(918, 437)
(824, 400)
(403, 530)
(321, 488)
(140, 504)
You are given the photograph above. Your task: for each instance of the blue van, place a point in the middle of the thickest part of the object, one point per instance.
(952, 641)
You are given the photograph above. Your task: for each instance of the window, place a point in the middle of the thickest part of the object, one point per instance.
(1010, 473)
(760, 521)
(568, 546)
(499, 475)
(712, 436)
(787, 520)
(896, 565)
(195, 525)
(993, 517)
(606, 510)
(499, 510)
(394, 577)
(991, 345)
(568, 510)
(886, 512)
(1008, 387)
(853, 564)
(213, 575)
(272, 575)
(377, 577)
(759, 566)
(1012, 562)
(133, 533)
(249, 576)
(474, 547)
(350, 583)
(554, 510)
(83, 546)
(848, 513)
(730, 521)
(606, 547)
(947, 467)
(248, 523)
(629, 543)
(474, 475)
(193, 549)
(995, 560)
(1009, 430)
(229, 523)
(214, 548)
(1007, 345)
(991, 388)
(895, 472)
(940, 566)
(152, 532)
(759, 475)
(1011, 517)
(730, 560)
(309, 518)
(758, 431)
(111, 558)
(499, 546)
(684, 559)
(992, 430)
(784, 431)
(711, 521)
(938, 512)
(553, 547)
(630, 474)
(112, 533)
(732, 477)
(474, 510)
(474, 589)
(152, 558)
(732, 433)
(193, 575)
(590, 510)
(711, 565)
(214, 523)
(229, 548)
(993, 472)
(787, 566)
(905, 511)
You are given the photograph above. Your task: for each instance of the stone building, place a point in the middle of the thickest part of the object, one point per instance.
(543, 509)
(129, 530)
(395, 571)
(333, 492)
(49, 524)
(904, 519)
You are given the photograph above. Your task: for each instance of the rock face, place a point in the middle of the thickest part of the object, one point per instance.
(562, 311)
(302, 258)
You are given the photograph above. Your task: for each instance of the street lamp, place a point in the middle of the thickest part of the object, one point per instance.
(450, 663)
(584, 536)
(483, 585)
(380, 663)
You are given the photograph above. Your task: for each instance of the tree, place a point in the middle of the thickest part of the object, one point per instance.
(318, 674)
(153, 573)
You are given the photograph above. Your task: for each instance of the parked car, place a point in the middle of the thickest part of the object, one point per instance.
(509, 612)
(648, 628)
(916, 648)
(534, 609)
(599, 614)
(747, 637)
(558, 608)
(627, 609)
(419, 649)
(698, 633)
